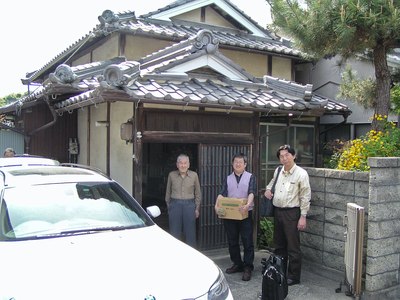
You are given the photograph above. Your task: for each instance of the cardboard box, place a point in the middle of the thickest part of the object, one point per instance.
(228, 208)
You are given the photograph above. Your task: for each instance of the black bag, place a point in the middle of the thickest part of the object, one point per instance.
(266, 206)
(274, 281)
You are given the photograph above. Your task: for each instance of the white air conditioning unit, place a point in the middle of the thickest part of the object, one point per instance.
(353, 251)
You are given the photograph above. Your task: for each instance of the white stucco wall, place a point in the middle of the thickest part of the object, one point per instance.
(211, 17)
(254, 63)
(83, 135)
(282, 68)
(95, 153)
(107, 50)
(98, 137)
(121, 162)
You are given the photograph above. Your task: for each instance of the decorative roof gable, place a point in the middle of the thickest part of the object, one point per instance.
(224, 7)
(196, 52)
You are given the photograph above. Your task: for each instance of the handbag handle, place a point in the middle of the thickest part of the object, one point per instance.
(276, 179)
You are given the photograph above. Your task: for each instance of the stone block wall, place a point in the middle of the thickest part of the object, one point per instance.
(324, 240)
(378, 191)
(383, 240)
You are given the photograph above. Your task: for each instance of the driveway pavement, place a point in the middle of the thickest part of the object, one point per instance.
(316, 283)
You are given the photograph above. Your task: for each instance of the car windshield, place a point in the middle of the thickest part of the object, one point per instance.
(61, 209)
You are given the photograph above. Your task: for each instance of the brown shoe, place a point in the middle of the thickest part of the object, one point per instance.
(234, 269)
(246, 274)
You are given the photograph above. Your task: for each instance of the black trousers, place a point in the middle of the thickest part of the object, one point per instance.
(287, 239)
(242, 229)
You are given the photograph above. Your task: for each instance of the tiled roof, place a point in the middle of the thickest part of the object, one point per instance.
(211, 93)
(206, 92)
(226, 36)
(66, 79)
(177, 30)
(153, 79)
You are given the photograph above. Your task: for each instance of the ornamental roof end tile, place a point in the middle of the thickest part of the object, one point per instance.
(120, 75)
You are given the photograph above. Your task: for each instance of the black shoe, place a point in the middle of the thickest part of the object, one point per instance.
(246, 274)
(292, 281)
(234, 269)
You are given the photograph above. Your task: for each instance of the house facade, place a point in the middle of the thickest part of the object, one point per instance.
(198, 77)
(326, 78)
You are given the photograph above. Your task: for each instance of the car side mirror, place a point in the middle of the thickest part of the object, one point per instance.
(153, 211)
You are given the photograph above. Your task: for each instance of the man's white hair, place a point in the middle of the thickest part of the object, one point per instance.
(182, 156)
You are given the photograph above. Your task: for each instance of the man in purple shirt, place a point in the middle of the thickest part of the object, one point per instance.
(240, 184)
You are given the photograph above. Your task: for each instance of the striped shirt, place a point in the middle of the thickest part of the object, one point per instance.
(292, 189)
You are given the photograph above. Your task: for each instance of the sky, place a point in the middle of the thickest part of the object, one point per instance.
(34, 32)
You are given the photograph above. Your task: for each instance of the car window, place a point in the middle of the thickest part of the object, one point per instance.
(47, 210)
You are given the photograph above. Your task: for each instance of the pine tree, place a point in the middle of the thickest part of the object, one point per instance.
(325, 28)
(11, 98)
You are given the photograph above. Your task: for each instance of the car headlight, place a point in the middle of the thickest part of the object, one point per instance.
(220, 289)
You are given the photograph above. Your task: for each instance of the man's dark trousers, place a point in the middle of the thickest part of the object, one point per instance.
(182, 219)
(287, 239)
(243, 229)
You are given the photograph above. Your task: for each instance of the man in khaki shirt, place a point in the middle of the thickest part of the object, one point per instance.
(183, 197)
(292, 202)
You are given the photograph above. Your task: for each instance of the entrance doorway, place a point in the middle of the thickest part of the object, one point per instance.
(212, 162)
(158, 160)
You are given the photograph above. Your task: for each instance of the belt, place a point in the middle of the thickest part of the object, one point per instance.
(176, 199)
(286, 208)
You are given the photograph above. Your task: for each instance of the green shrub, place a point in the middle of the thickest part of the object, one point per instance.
(266, 234)
(382, 143)
(334, 149)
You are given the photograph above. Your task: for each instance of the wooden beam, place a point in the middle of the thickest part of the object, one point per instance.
(195, 137)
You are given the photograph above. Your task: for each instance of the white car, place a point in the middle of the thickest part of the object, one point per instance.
(72, 233)
(26, 160)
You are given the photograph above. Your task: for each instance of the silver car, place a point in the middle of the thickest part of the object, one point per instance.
(72, 233)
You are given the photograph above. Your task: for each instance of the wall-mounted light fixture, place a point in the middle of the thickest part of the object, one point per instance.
(126, 131)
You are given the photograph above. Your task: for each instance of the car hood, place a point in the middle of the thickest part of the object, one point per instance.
(129, 264)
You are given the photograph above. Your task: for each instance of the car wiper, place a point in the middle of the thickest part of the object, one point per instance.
(83, 231)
